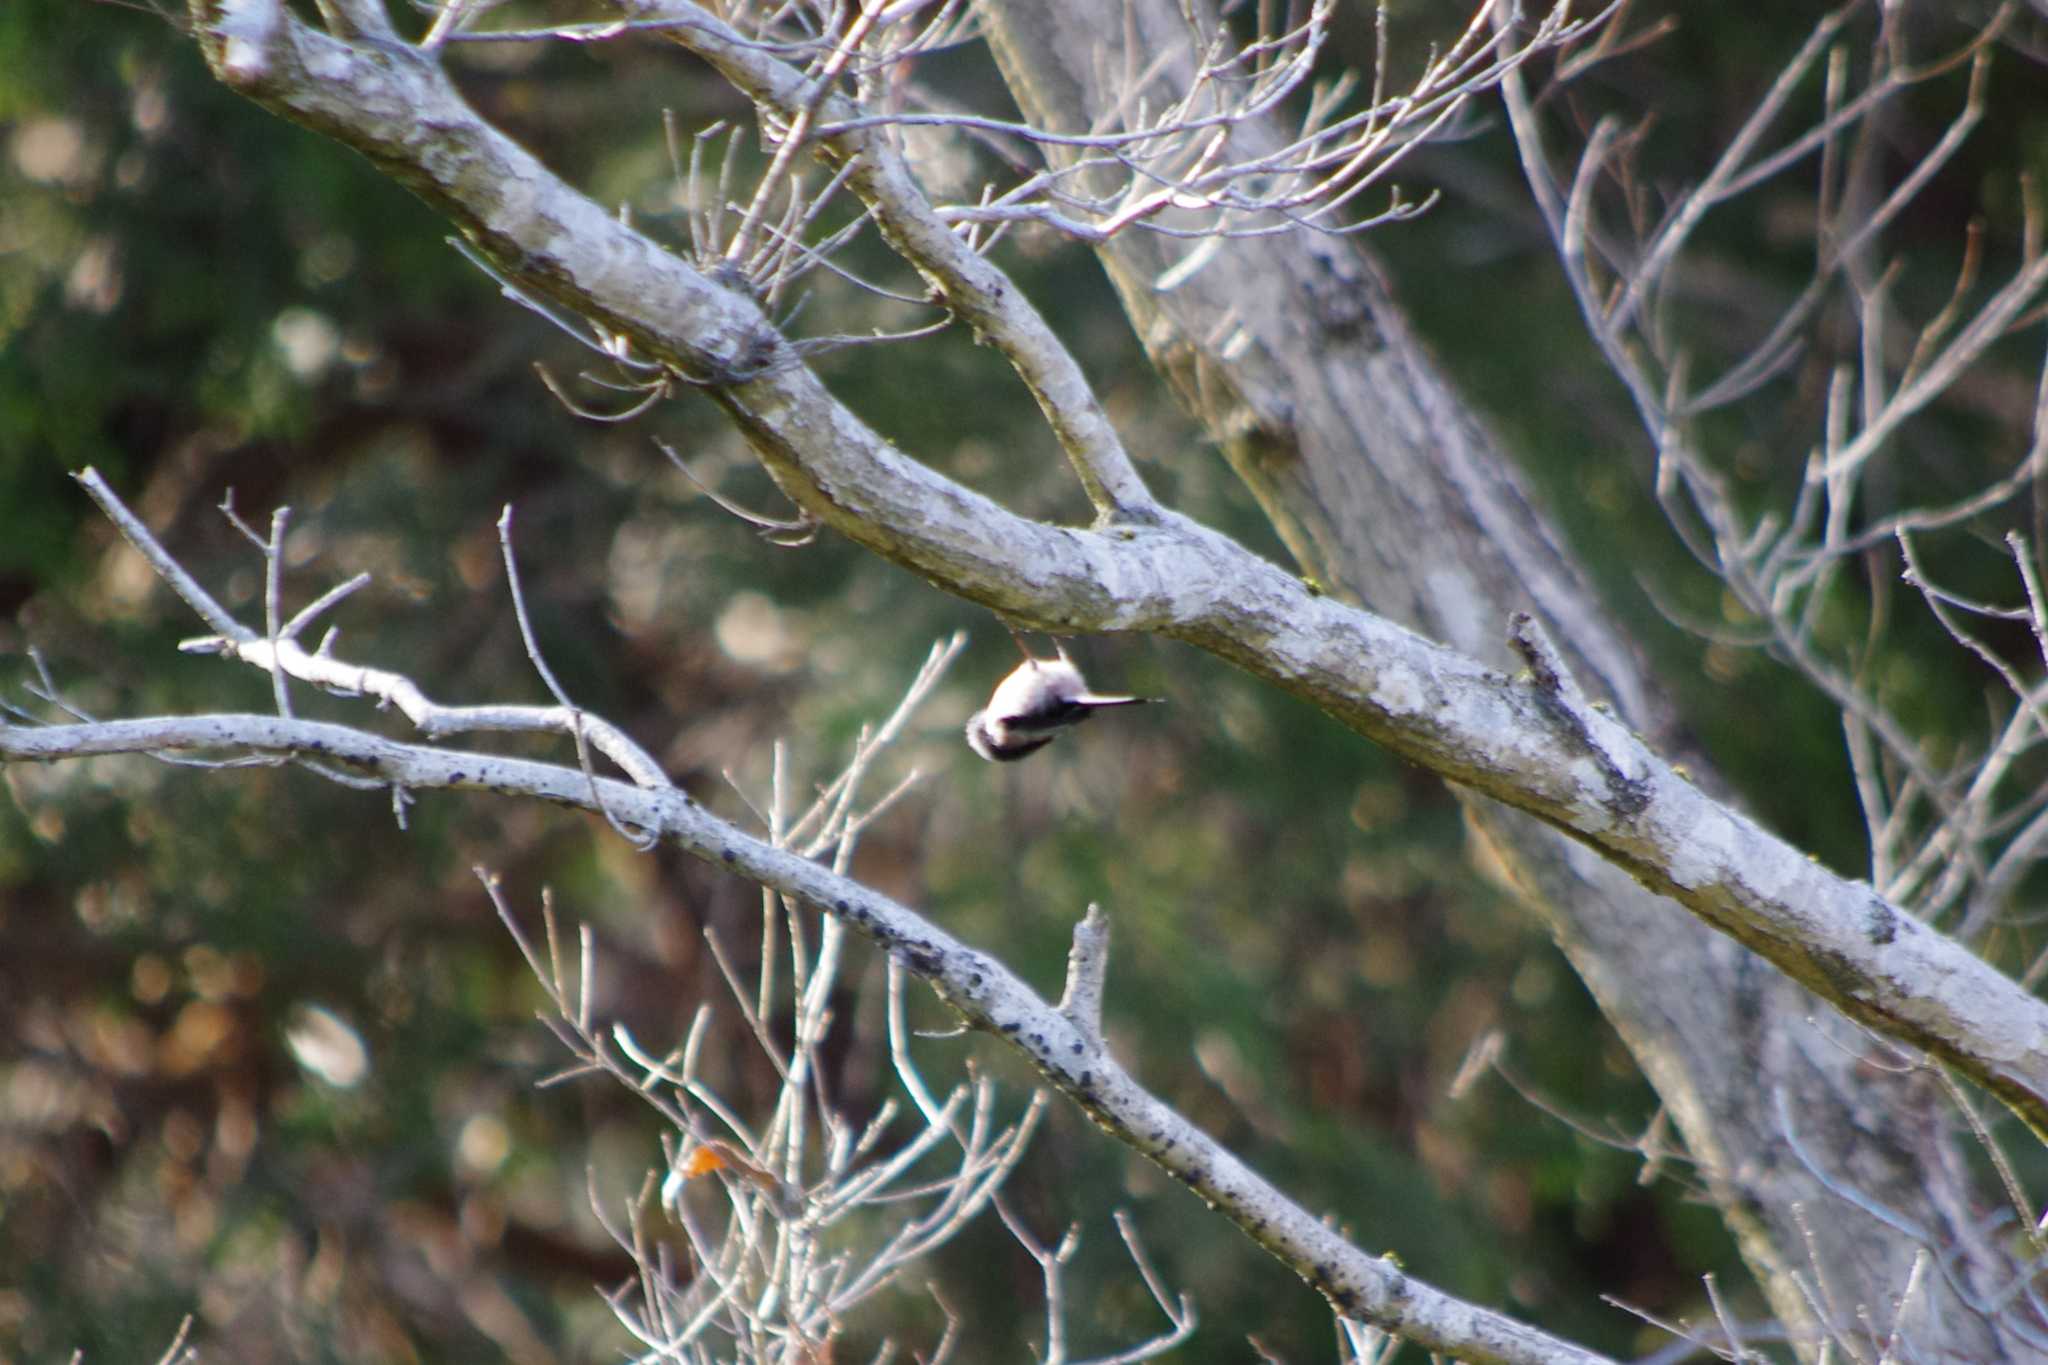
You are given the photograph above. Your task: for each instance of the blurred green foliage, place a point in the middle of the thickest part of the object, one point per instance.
(197, 298)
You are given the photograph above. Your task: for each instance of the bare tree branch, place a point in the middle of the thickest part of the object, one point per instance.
(1515, 740)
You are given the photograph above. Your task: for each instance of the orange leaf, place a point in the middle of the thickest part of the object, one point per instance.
(703, 1161)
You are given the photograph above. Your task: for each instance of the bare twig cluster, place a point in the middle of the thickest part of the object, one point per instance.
(1168, 150)
(1172, 157)
(765, 227)
(1169, 156)
(1951, 833)
(790, 1219)
(813, 1214)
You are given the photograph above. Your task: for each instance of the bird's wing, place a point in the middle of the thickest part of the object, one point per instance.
(1052, 716)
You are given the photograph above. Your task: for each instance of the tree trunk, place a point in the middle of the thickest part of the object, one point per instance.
(1388, 489)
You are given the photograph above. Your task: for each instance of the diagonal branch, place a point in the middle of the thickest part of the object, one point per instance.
(986, 992)
(1514, 739)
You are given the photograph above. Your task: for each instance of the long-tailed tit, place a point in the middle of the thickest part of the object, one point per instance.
(1031, 706)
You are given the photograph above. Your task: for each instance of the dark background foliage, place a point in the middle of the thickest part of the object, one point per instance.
(199, 299)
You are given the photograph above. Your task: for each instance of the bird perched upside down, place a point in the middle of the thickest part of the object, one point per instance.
(1031, 706)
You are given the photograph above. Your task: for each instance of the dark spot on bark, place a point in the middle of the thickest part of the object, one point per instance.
(1881, 924)
(727, 854)
(1629, 798)
(1341, 297)
(756, 355)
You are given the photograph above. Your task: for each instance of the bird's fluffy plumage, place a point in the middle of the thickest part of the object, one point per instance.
(1040, 698)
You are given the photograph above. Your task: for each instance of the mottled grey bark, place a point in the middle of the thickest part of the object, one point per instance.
(1293, 353)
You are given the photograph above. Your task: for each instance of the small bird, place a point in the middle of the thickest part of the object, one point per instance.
(1031, 706)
